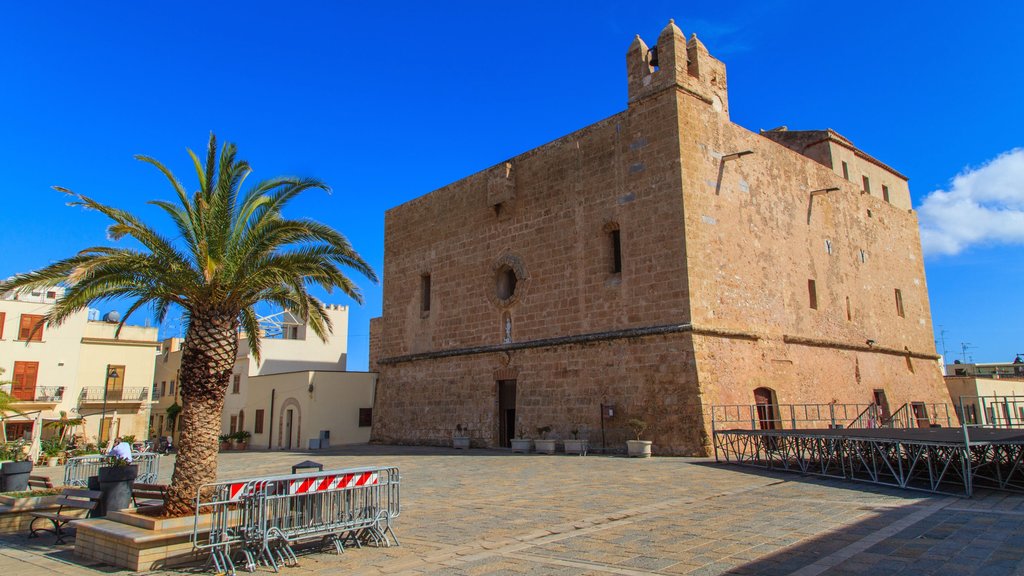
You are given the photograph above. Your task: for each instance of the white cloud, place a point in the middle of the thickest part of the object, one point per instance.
(983, 205)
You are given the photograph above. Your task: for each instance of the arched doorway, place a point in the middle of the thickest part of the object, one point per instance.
(289, 429)
(767, 408)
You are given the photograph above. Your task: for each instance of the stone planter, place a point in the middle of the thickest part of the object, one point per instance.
(116, 486)
(16, 513)
(522, 445)
(576, 447)
(138, 542)
(638, 448)
(544, 446)
(460, 442)
(14, 476)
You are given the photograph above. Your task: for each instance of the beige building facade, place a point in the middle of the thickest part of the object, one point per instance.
(299, 388)
(80, 368)
(661, 261)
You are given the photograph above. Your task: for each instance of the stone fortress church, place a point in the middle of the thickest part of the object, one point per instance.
(663, 260)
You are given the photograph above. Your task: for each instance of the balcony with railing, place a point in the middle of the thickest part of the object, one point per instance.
(41, 395)
(99, 395)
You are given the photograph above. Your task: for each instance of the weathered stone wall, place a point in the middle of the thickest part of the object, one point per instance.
(760, 236)
(563, 387)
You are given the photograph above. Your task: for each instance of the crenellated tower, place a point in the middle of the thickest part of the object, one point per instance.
(676, 63)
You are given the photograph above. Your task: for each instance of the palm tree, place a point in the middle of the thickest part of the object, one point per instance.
(232, 251)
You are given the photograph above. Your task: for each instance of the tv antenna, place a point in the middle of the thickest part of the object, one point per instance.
(964, 347)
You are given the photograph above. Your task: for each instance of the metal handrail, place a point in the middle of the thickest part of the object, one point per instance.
(992, 411)
(97, 393)
(781, 416)
(868, 418)
(934, 413)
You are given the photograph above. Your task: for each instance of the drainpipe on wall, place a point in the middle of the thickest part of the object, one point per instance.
(270, 429)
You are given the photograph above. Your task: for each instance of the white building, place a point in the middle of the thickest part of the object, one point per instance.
(299, 390)
(78, 368)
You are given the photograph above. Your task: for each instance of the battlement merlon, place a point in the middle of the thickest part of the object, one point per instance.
(674, 62)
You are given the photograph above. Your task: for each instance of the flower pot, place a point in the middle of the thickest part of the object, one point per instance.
(638, 448)
(224, 446)
(14, 476)
(521, 445)
(544, 446)
(116, 486)
(242, 444)
(576, 447)
(52, 461)
(460, 442)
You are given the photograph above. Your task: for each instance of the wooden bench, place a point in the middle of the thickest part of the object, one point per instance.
(70, 500)
(149, 494)
(39, 483)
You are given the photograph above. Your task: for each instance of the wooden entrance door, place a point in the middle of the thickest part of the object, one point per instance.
(767, 410)
(883, 405)
(289, 417)
(115, 382)
(506, 412)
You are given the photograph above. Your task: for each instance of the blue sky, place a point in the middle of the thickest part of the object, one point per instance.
(388, 101)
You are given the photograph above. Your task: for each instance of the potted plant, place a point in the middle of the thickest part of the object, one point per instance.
(15, 472)
(460, 440)
(638, 448)
(575, 445)
(543, 444)
(116, 477)
(52, 448)
(225, 442)
(242, 439)
(521, 443)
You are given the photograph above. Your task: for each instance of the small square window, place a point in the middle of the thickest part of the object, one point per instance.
(899, 303)
(885, 192)
(867, 185)
(365, 417)
(812, 293)
(846, 171)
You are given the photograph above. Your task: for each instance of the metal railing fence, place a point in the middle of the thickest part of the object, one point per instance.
(784, 416)
(78, 469)
(261, 518)
(920, 415)
(991, 411)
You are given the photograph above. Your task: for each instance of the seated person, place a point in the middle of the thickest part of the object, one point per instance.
(121, 449)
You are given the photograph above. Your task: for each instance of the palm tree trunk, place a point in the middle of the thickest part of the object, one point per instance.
(206, 363)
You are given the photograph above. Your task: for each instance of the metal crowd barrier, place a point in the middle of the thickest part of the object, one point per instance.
(262, 518)
(78, 469)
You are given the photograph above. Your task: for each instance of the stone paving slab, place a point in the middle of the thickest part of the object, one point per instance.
(491, 512)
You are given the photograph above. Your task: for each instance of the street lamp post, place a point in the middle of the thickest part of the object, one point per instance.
(103, 415)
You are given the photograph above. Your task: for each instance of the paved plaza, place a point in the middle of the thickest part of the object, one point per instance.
(487, 512)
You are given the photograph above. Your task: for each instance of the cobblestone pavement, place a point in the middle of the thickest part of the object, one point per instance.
(495, 513)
